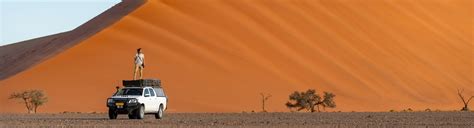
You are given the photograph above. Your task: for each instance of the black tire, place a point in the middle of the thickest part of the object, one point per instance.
(140, 112)
(131, 115)
(112, 114)
(160, 113)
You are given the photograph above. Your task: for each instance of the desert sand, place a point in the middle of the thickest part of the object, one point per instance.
(23, 55)
(218, 55)
(257, 120)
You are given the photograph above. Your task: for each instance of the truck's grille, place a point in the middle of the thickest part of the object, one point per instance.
(124, 100)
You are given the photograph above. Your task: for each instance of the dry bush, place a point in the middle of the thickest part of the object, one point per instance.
(407, 110)
(31, 98)
(310, 101)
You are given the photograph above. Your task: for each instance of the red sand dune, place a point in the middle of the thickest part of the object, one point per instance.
(218, 55)
(23, 55)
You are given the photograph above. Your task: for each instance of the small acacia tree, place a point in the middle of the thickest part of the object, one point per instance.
(264, 99)
(31, 98)
(310, 101)
(464, 100)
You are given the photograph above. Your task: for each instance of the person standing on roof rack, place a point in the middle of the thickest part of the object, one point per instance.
(139, 64)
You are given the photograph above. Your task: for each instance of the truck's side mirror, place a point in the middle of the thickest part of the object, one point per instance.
(147, 95)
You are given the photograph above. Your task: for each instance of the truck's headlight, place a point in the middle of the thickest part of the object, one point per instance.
(110, 100)
(133, 101)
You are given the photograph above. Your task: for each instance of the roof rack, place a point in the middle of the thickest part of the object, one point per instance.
(142, 83)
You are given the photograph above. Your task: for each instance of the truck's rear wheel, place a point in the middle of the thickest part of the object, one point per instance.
(112, 114)
(160, 113)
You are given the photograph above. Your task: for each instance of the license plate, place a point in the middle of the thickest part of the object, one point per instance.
(119, 104)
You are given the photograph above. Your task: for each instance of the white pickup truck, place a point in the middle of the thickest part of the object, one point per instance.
(137, 99)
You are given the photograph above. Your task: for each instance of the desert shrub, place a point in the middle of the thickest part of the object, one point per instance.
(31, 98)
(428, 110)
(392, 110)
(407, 110)
(310, 101)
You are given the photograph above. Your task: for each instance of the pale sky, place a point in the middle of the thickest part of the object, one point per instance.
(28, 19)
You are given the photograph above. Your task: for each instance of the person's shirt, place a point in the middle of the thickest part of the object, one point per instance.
(139, 58)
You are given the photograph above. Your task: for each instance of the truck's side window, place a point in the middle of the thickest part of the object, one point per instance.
(161, 92)
(152, 92)
(158, 94)
(146, 92)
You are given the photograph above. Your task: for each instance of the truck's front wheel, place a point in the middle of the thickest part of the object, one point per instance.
(131, 115)
(112, 114)
(140, 112)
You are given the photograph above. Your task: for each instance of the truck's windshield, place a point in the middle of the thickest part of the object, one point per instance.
(130, 91)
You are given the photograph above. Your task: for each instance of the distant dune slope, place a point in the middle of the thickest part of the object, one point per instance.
(18, 57)
(218, 55)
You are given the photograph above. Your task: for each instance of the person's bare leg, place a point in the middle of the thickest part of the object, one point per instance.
(135, 72)
(141, 72)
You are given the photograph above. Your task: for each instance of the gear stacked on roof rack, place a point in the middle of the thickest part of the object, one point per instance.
(142, 83)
